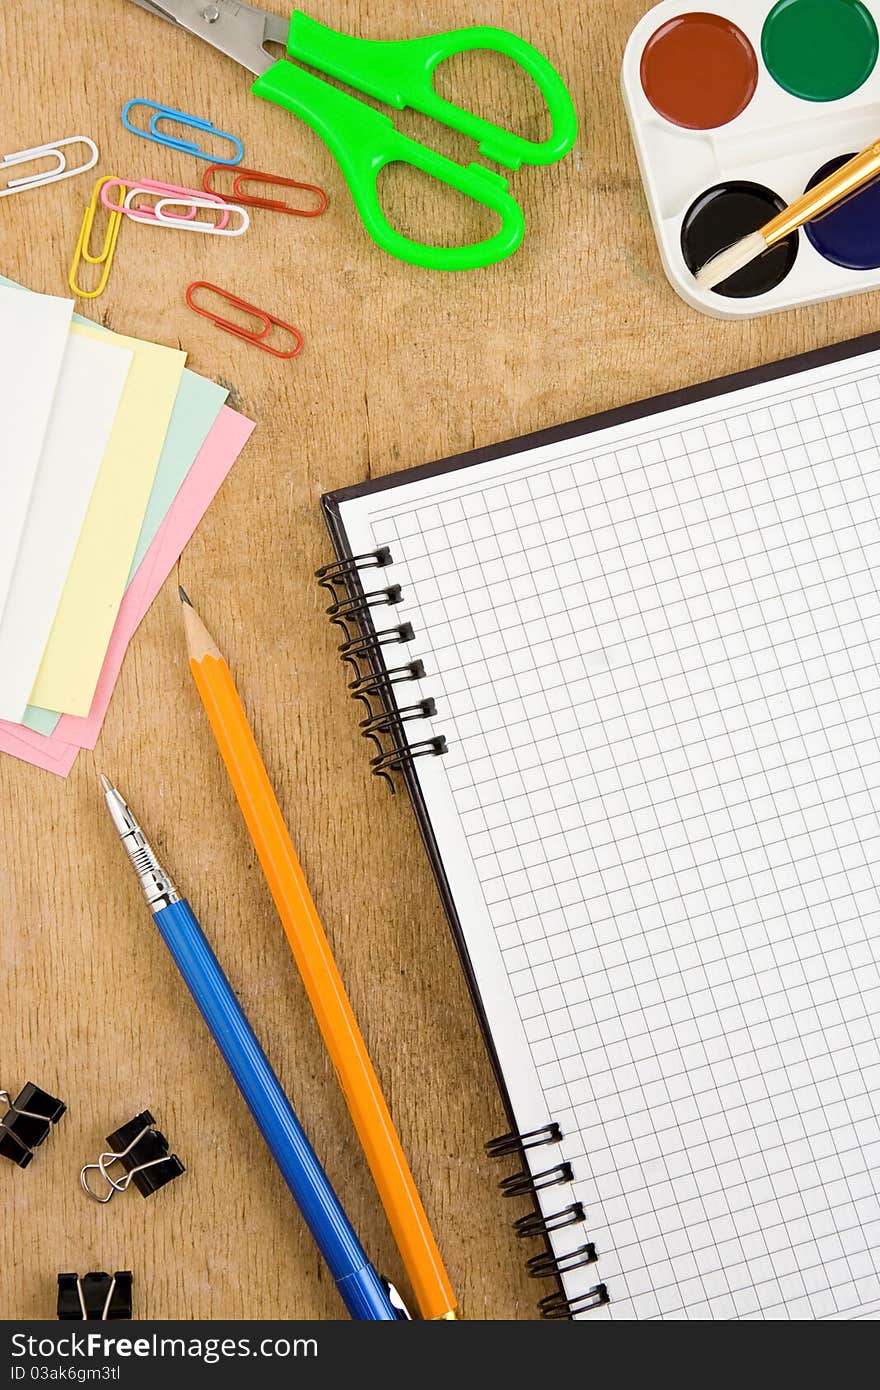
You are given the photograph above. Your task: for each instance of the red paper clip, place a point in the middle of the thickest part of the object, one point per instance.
(268, 321)
(270, 204)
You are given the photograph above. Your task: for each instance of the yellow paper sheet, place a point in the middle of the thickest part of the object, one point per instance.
(96, 582)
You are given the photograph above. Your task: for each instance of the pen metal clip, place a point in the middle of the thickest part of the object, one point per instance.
(395, 1298)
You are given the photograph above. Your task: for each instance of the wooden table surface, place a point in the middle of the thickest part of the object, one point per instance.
(400, 366)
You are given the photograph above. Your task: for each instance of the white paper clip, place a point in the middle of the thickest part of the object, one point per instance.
(54, 150)
(170, 219)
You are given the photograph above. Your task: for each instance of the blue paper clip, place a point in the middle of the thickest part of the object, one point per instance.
(168, 113)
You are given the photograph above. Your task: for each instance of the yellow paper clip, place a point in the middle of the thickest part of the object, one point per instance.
(108, 249)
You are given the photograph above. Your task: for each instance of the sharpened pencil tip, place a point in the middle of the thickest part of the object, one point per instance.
(106, 783)
(184, 596)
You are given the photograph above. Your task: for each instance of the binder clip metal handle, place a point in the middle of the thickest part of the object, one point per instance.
(27, 1122)
(146, 1149)
(115, 1184)
(95, 1297)
(15, 1109)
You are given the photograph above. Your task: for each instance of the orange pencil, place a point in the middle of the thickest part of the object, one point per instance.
(322, 980)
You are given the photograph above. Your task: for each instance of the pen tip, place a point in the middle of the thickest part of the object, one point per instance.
(184, 596)
(106, 783)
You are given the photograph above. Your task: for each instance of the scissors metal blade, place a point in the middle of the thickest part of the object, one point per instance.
(153, 10)
(238, 30)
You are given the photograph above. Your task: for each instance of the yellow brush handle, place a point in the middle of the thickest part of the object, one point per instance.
(834, 189)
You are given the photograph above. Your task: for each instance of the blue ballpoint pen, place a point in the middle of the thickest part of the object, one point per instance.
(366, 1296)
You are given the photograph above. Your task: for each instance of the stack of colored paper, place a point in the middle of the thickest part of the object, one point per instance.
(110, 454)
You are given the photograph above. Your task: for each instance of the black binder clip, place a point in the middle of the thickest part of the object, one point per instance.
(94, 1297)
(143, 1152)
(27, 1122)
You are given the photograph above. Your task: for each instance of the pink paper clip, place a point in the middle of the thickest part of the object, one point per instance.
(145, 213)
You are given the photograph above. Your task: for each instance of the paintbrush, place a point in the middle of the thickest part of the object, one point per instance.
(848, 179)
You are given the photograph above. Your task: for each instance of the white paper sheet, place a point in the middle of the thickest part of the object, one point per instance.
(90, 385)
(33, 338)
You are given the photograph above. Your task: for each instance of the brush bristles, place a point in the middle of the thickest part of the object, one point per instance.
(728, 262)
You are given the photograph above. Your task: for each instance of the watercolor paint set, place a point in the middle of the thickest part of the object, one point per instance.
(735, 112)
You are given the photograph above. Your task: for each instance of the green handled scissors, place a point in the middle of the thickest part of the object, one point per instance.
(363, 140)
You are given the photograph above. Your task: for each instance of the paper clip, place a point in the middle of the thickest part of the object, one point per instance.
(150, 188)
(168, 113)
(168, 219)
(242, 176)
(53, 150)
(257, 338)
(108, 249)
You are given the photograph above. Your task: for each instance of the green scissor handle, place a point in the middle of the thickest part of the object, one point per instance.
(401, 73)
(365, 141)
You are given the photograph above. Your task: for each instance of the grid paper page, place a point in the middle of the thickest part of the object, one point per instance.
(654, 653)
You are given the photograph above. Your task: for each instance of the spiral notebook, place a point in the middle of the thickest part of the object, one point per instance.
(629, 671)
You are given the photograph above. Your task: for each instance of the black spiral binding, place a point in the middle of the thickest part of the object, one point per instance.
(363, 649)
(544, 1265)
(558, 1306)
(548, 1265)
(353, 610)
(536, 1224)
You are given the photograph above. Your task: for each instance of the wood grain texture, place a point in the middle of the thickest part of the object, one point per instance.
(400, 366)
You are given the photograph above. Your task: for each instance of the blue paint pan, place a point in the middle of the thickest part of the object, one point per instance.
(849, 235)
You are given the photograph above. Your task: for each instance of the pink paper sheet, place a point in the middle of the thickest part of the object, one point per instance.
(52, 757)
(58, 752)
